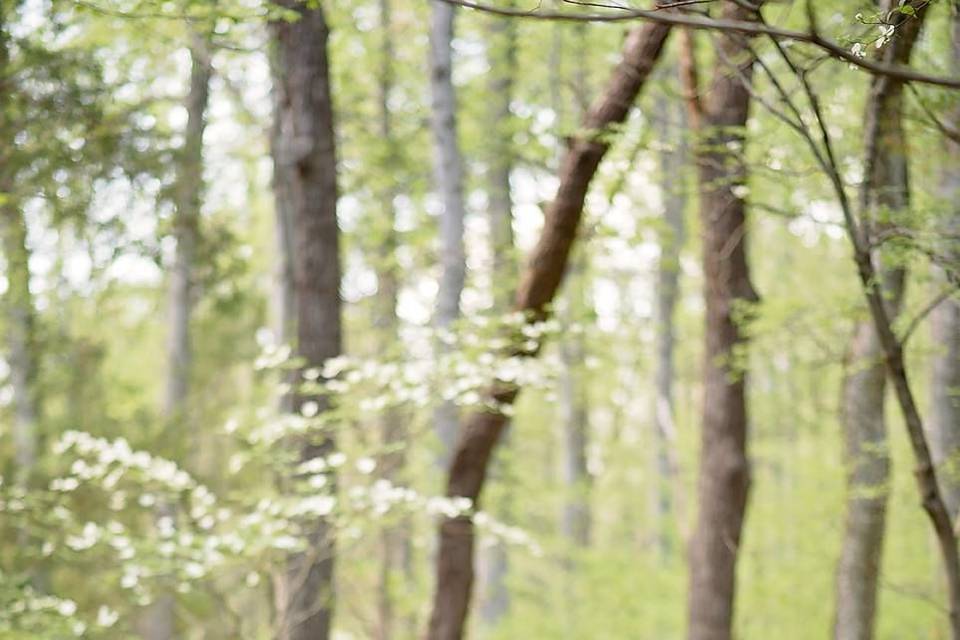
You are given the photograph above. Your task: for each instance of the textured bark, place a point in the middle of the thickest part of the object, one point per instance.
(448, 182)
(160, 620)
(945, 320)
(304, 158)
(885, 192)
(672, 165)
(724, 476)
(501, 56)
(536, 290)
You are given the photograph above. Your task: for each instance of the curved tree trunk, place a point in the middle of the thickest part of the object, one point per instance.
(448, 181)
(724, 470)
(536, 290)
(304, 157)
(885, 193)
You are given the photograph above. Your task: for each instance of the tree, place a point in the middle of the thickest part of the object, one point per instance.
(724, 476)
(885, 197)
(160, 621)
(537, 288)
(448, 181)
(305, 183)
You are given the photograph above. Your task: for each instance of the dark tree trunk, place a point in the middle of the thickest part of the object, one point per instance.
(304, 156)
(724, 478)
(536, 290)
(885, 192)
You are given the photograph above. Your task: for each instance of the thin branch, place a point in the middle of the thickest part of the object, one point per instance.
(695, 21)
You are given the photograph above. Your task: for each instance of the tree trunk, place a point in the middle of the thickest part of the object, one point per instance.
(536, 290)
(396, 561)
(884, 193)
(945, 378)
(672, 167)
(305, 164)
(724, 469)
(21, 340)
(18, 305)
(160, 619)
(448, 181)
(501, 56)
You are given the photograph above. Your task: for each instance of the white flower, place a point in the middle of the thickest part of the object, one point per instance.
(107, 617)
(67, 608)
(309, 409)
(366, 465)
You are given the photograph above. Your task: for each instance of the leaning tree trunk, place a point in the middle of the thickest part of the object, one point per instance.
(724, 469)
(304, 156)
(448, 181)
(885, 193)
(945, 378)
(673, 190)
(501, 56)
(536, 291)
(159, 622)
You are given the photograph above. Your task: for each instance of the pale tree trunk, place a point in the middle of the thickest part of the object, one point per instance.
(501, 55)
(574, 401)
(537, 289)
(448, 182)
(18, 308)
(724, 476)
(160, 620)
(304, 156)
(20, 340)
(885, 192)
(945, 319)
(672, 125)
(396, 568)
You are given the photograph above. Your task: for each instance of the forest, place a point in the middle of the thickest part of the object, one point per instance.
(487, 319)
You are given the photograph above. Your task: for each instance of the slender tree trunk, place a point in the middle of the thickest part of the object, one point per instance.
(160, 619)
(305, 164)
(18, 307)
(575, 519)
(724, 478)
(885, 193)
(20, 341)
(945, 378)
(396, 561)
(672, 166)
(536, 290)
(448, 181)
(501, 55)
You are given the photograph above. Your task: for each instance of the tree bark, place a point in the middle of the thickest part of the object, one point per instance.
(501, 56)
(945, 320)
(885, 193)
(160, 620)
(536, 291)
(448, 181)
(305, 165)
(724, 476)
(673, 189)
